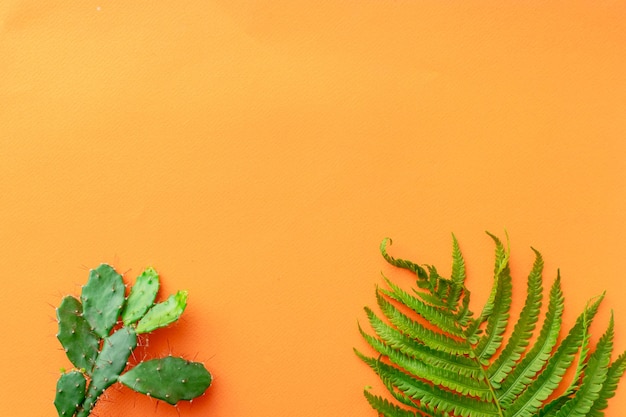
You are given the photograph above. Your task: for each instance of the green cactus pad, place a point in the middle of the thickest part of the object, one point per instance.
(163, 313)
(169, 379)
(79, 342)
(103, 298)
(110, 363)
(141, 296)
(70, 393)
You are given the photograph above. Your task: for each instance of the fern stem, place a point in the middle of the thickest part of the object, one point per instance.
(493, 392)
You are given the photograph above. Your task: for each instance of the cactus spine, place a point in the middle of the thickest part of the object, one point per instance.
(99, 333)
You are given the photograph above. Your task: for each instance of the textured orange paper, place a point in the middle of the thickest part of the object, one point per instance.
(256, 153)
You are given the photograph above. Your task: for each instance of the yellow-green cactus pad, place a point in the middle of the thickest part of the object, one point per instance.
(163, 313)
(141, 296)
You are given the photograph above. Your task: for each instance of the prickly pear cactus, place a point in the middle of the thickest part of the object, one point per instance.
(161, 378)
(70, 393)
(99, 333)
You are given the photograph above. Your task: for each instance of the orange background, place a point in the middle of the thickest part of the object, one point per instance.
(256, 153)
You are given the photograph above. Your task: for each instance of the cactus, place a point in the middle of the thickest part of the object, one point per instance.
(169, 379)
(163, 313)
(99, 333)
(110, 363)
(79, 342)
(70, 393)
(102, 298)
(141, 297)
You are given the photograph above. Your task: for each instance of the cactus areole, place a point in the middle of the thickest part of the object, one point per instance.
(99, 333)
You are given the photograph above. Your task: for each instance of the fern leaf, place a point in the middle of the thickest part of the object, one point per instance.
(502, 255)
(387, 409)
(431, 395)
(435, 316)
(431, 299)
(418, 331)
(594, 378)
(457, 275)
(535, 359)
(476, 387)
(523, 328)
(501, 264)
(392, 338)
(553, 407)
(436, 360)
(498, 318)
(615, 372)
(407, 401)
(464, 313)
(401, 263)
(442, 287)
(458, 264)
(585, 395)
(541, 388)
(582, 359)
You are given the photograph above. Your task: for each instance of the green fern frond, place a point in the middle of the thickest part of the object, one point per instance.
(524, 327)
(386, 408)
(615, 372)
(579, 404)
(582, 358)
(548, 380)
(457, 276)
(502, 254)
(535, 359)
(401, 263)
(500, 268)
(391, 338)
(458, 264)
(437, 361)
(418, 331)
(436, 316)
(595, 375)
(501, 276)
(464, 314)
(498, 318)
(431, 299)
(474, 386)
(433, 396)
